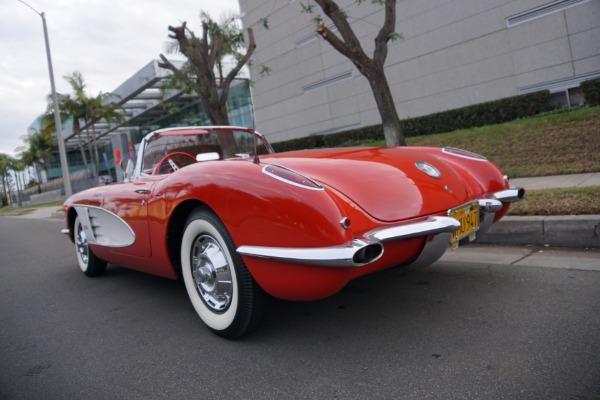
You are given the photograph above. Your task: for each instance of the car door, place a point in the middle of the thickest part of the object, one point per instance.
(129, 201)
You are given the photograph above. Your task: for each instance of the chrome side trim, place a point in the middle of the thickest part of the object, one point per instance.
(65, 231)
(354, 254)
(510, 195)
(104, 228)
(430, 226)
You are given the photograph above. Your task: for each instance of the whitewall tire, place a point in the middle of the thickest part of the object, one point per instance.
(219, 285)
(87, 260)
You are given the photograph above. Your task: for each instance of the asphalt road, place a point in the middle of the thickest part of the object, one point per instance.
(460, 329)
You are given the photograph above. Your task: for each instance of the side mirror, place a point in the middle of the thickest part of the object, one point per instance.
(207, 156)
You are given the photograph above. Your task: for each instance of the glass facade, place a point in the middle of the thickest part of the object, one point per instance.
(240, 114)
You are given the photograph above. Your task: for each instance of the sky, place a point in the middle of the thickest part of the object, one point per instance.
(106, 40)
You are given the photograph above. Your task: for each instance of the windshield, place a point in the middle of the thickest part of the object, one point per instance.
(184, 147)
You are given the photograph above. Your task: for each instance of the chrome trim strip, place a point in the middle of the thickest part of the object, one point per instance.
(349, 255)
(284, 180)
(103, 227)
(65, 231)
(430, 226)
(510, 195)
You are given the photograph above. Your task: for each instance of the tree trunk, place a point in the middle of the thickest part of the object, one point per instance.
(4, 189)
(95, 143)
(39, 177)
(91, 150)
(77, 131)
(392, 130)
(348, 45)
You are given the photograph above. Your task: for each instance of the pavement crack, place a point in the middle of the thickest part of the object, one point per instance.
(530, 252)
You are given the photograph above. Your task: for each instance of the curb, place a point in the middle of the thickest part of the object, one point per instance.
(560, 231)
(579, 231)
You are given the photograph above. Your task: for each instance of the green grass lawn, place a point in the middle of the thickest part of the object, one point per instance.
(578, 201)
(552, 144)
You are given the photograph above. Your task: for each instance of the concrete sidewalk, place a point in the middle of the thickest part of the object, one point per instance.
(558, 181)
(562, 231)
(559, 231)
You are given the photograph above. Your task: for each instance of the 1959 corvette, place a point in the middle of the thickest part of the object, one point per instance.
(217, 207)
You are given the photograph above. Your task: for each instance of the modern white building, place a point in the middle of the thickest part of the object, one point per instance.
(453, 53)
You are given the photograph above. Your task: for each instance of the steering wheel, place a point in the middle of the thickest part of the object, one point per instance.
(167, 165)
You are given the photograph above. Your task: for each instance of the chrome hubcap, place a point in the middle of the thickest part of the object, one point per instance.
(211, 273)
(82, 244)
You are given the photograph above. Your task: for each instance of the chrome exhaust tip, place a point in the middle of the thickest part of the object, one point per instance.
(368, 254)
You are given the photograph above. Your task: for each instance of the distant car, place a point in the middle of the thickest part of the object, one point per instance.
(217, 207)
(105, 179)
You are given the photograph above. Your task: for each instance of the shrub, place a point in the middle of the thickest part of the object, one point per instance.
(492, 112)
(591, 91)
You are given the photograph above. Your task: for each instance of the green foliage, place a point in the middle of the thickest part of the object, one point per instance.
(492, 112)
(264, 71)
(395, 36)
(264, 22)
(339, 139)
(591, 91)
(307, 8)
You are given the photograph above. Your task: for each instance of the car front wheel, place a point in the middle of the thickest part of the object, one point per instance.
(219, 285)
(88, 262)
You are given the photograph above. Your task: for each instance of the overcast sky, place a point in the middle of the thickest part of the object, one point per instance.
(106, 40)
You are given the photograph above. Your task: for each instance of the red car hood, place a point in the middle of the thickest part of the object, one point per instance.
(384, 182)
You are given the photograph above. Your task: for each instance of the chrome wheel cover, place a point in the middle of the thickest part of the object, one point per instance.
(211, 273)
(81, 244)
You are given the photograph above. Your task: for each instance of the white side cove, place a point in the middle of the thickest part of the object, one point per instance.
(104, 228)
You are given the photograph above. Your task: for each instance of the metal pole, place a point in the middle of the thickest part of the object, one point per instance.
(59, 137)
(58, 125)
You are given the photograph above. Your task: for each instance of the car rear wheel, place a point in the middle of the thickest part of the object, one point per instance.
(88, 262)
(220, 287)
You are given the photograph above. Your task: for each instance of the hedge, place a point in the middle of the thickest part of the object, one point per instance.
(591, 91)
(492, 112)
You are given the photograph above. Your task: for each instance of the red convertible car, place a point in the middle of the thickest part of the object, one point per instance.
(216, 206)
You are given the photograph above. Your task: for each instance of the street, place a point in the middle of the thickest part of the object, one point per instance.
(485, 322)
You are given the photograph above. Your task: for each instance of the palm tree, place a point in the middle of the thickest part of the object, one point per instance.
(69, 108)
(74, 106)
(96, 111)
(4, 166)
(90, 110)
(18, 166)
(39, 152)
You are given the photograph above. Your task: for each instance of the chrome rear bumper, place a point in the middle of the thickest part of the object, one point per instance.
(369, 248)
(357, 253)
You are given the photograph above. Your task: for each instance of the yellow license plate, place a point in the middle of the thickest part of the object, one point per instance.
(468, 216)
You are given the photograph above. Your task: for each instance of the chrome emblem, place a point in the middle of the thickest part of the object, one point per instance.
(428, 169)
